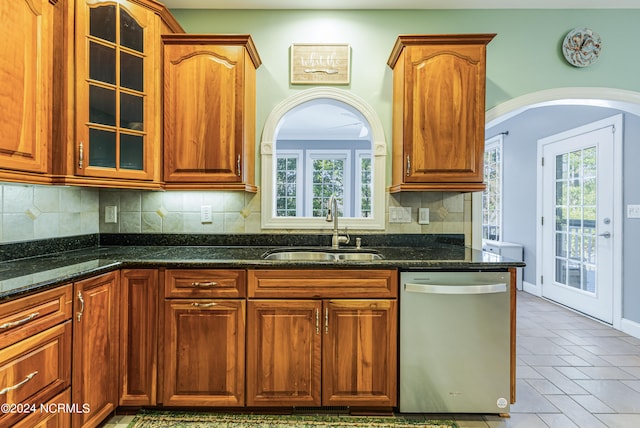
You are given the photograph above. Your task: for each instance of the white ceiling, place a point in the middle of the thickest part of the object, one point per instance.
(401, 4)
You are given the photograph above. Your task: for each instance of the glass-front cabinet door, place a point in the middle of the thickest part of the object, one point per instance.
(116, 133)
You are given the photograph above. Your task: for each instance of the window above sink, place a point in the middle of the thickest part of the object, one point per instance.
(358, 166)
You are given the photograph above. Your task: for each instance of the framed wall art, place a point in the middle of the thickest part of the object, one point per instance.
(315, 64)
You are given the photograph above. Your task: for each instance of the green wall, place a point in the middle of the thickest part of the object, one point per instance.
(524, 57)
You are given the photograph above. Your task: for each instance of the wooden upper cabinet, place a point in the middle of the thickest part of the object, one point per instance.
(26, 91)
(209, 111)
(438, 112)
(114, 94)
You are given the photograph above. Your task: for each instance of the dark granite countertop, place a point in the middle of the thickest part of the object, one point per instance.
(26, 275)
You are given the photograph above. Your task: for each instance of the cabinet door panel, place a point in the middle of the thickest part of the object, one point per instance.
(26, 70)
(139, 329)
(201, 101)
(95, 348)
(446, 88)
(359, 358)
(438, 112)
(116, 94)
(204, 353)
(209, 111)
(283, 353)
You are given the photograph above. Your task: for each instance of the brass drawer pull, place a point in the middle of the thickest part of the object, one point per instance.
(81, 311)
(203, 305)
(22, 321)
(326, 321)
(19, 384)
(204, 284)
(81, 156)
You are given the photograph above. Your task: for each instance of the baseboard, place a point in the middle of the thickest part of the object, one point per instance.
(531, 288)
(630, 327)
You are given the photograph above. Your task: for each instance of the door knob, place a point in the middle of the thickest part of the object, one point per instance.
(605, 235)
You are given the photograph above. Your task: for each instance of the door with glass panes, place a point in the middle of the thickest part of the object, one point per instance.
(115, 94)
(579, 218)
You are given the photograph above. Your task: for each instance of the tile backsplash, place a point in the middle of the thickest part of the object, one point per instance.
(239, 212)
(31, 212)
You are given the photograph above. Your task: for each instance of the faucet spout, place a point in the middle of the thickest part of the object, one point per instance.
(332, 215)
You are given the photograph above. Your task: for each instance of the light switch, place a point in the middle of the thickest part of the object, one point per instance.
(423, 216)
(633, 211)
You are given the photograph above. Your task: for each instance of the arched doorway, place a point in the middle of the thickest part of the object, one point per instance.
(610, 101)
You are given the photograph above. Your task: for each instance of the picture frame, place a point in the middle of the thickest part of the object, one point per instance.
(313, 64)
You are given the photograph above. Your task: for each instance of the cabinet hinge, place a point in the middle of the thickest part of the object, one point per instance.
(542, 161)
(542, 221)
(541, 279)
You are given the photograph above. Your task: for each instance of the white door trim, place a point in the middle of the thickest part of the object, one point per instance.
(618, 218)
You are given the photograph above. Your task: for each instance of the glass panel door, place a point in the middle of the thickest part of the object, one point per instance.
(575, 231)
(116, 93)
(578, 221)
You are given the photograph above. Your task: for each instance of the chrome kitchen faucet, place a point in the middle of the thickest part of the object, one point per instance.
(332, 215)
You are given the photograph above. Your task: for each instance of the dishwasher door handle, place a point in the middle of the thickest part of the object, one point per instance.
(455, 289)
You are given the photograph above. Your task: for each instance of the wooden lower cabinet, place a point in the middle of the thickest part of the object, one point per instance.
(359, 360)
(283, 352)
(95, 348)
(33, 370)
(322, 353)
(55, 413)
(138, 332)
(203, 352)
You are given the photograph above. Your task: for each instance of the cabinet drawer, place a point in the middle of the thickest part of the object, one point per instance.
(312, 283)
(205, 283)
(51, 416)
(33, 370)
(29, 315)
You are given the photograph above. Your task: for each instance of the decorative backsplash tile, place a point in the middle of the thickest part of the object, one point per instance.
(31, 212)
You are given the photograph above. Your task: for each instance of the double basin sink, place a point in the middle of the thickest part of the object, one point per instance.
(321, 254)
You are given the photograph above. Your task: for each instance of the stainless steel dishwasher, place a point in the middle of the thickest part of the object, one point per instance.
(455, 342)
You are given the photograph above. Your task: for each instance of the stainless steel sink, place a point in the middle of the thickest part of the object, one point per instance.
(321, 255)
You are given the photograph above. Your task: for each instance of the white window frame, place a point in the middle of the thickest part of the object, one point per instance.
(345, 156)
(361, 154)
(495, 143)
(298, 155)
(267, 146)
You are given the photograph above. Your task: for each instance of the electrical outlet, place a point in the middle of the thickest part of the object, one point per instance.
(633, 211)
(111, 214)
(399, 214)
(423, 216)
(205, 214)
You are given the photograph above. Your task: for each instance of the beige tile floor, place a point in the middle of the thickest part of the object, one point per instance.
(573, 372)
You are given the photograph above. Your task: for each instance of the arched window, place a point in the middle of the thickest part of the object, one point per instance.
(318, 143)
